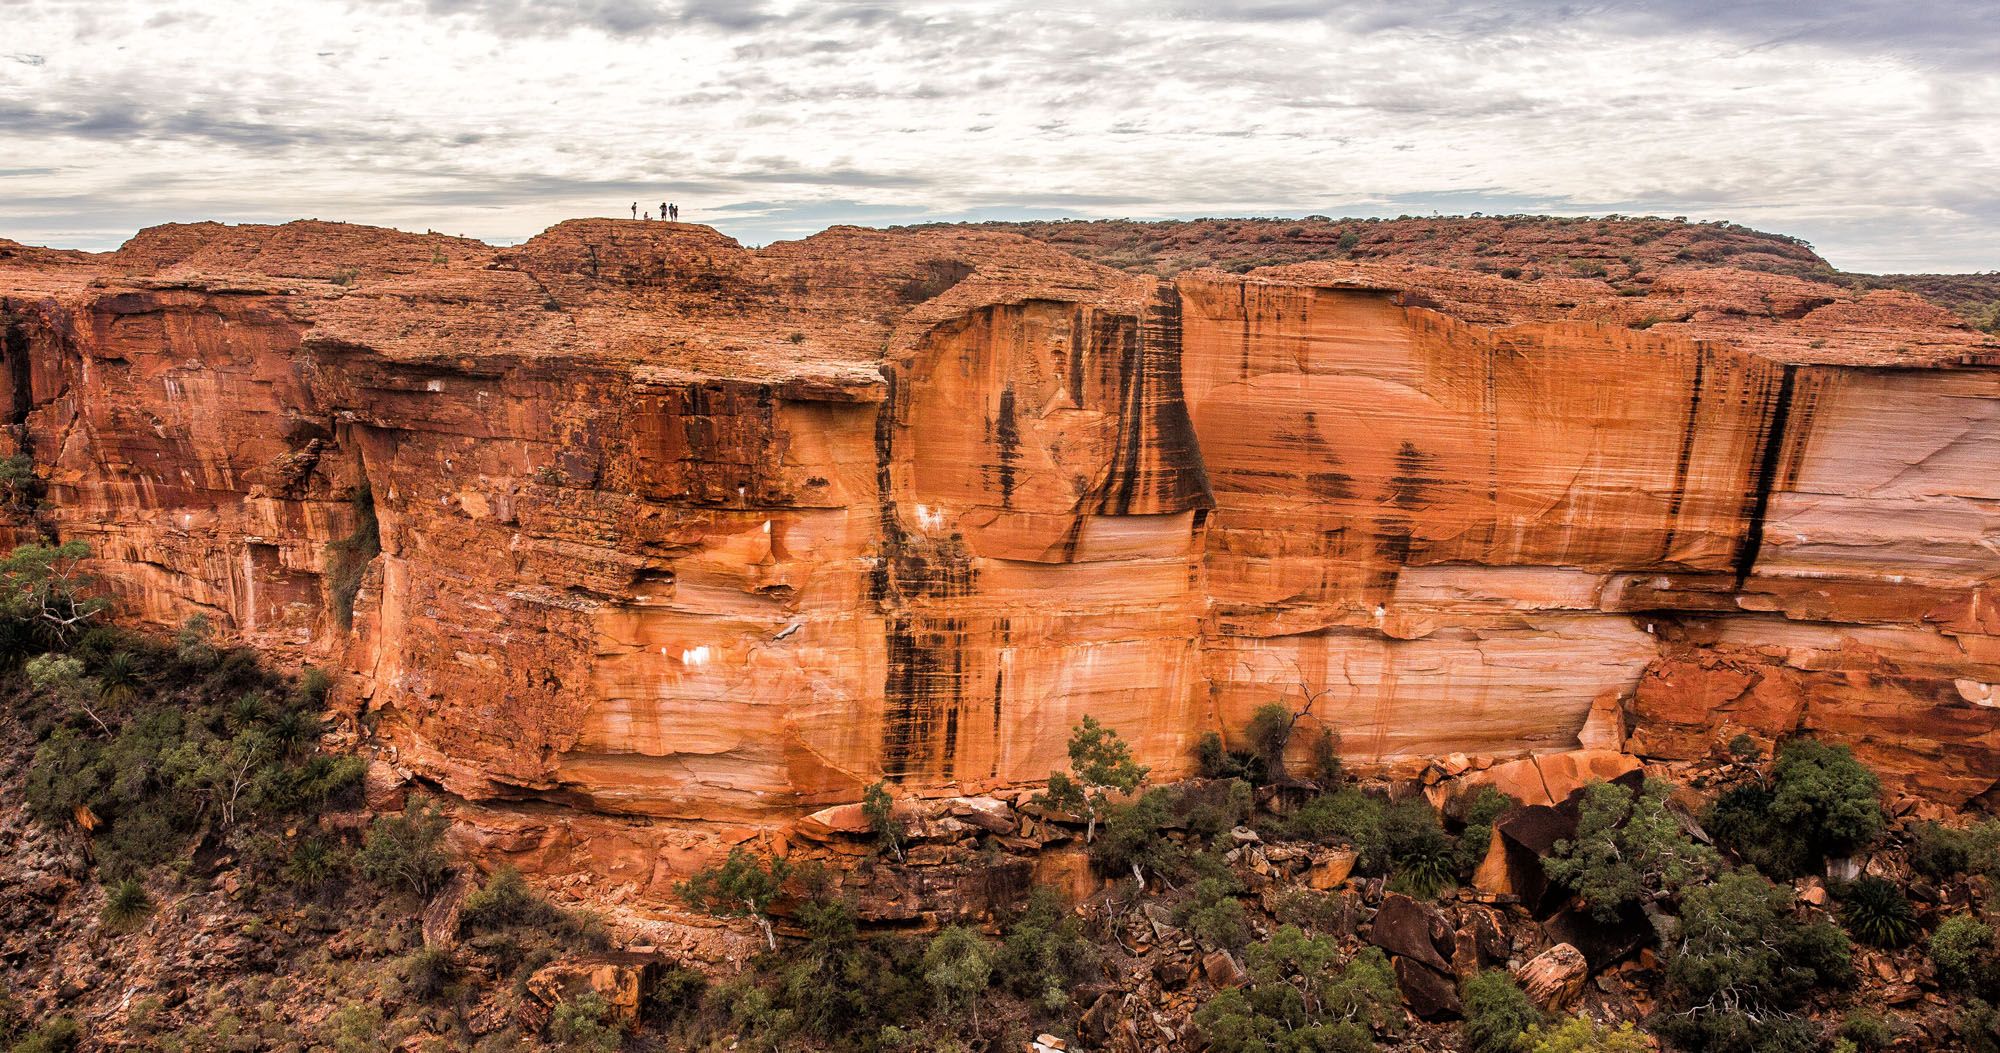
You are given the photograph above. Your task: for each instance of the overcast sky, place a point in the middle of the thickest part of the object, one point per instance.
(1869, 127)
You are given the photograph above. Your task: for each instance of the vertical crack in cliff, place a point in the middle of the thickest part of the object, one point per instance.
(347, 559)
(1765, 479)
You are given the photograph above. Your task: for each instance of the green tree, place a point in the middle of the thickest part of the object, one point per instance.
(44, 601)
(742, 887)
(879, 810)
(1100, 762)
(1824, 790)
(1820, 802)
(1744, 963)
(1628, 849)
(958, 966)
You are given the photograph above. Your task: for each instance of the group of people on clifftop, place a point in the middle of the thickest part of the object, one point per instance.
(668, 211)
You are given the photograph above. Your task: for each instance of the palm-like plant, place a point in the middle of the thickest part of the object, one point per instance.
(125, 906)
(1876, 912)
(117, 678)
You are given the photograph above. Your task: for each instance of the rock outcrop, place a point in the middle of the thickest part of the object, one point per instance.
(636, 521)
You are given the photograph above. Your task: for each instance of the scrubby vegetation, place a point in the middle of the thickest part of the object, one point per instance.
(151, 746)
(1818, 802)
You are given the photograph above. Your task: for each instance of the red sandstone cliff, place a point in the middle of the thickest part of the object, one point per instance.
(672, 528)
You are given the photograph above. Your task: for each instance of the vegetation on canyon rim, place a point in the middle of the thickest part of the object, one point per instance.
(171, 762)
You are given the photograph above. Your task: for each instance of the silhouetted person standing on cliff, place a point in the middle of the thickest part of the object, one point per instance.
(666, 210)
(673, 212)
(635, 210)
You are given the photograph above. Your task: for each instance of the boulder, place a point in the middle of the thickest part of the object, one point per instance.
(623, 980)
(1429, 993)
(1221, 969)
(1555, 977)
(1403, 927)
(1551, 778)
(1330, 868)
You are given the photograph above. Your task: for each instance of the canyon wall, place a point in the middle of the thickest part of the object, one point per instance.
(634, 522)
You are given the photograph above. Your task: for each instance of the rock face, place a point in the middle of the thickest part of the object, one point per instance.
(631, 519)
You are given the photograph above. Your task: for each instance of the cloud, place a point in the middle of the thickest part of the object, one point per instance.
(1863, 126)
(618, 18)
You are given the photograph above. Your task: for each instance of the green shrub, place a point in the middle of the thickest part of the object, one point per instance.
(1497, 1011)
(1866, 1029)
(1213, 760)
(315, 862)
(504, 902)
(1345, 816)
(1481, 809)
(1216, 916)
(60, 1035)
(1628, 849)
(1940, 851)
(1741, 821)
(1877, 913)
(958, 966)
(1045, 952)
(1977, 1027)
(1413, 848)
(1962, 949)
(1821, 802)
(126, 905)
(585, 1024)
(347, 559)
(1209, 810)
(879, 809)
(1300, 997)
(1983, 849)
(1580, 1034)
(406, 851)
(1134, 838)
(676, 995)
(1743, 962)
(429, 973)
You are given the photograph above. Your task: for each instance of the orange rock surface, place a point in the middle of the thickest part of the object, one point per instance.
(670, 528)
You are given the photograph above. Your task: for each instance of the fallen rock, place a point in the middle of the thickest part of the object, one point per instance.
(1430, 994)
(1555, 977)
(622, 980)
(1221, 969)
(1330, 869)
(1403, 927)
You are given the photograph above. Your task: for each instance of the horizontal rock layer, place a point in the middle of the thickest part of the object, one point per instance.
(670, 528)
